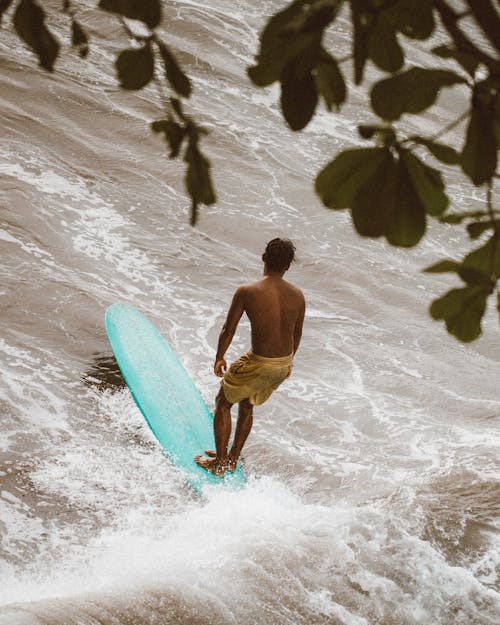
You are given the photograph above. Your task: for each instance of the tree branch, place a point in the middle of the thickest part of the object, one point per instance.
(451, 125)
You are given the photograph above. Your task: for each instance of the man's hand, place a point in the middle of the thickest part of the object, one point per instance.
(220, 367)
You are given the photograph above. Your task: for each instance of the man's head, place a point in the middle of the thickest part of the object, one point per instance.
(279, 254)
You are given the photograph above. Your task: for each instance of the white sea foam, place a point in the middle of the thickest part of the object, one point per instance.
(266, 532)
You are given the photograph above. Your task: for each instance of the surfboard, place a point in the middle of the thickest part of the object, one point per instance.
(165, 394)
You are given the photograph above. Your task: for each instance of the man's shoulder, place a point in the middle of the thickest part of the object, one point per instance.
(245, 288)
(295, 289)
(250, 286)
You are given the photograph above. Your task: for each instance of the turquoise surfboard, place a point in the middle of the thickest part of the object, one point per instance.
(165, 394)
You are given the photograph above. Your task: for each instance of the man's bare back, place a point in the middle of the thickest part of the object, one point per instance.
(276, 311)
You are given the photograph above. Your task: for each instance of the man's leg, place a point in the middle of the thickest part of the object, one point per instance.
(222, 432)
(222, 426)
(243, 427)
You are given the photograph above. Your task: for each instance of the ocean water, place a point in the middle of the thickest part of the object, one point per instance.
(373, 494)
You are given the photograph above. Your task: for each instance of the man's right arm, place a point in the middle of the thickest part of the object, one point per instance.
(228, 329)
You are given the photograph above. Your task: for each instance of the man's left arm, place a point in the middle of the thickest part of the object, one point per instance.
(297, 331)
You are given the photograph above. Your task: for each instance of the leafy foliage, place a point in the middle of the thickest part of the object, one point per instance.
(479, 155)
(136, 68)
(462, 310)
(410, 92)
(180, 131)
(389, 188)
(376, 26)
(291, 53)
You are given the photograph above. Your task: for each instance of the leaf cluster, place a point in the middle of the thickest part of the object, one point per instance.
(136, 69)
(179, 130)
(389, 188)
(292, 53)
(149, 61)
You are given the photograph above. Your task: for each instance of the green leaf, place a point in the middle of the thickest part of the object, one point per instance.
(135, 67)
(462, 310)
(288, 34)
(379, 191)
(474, 276)
(408, 222)
(197, 180)
(29, 20)
(175, 76)
(174, 134)
(444, 153)
(299, 97)
(444, 266)
(79, 39)
(330, 81)
(388, 206)
(427, 184)
(147, 11)
(384, 48)
(468, 61)
(375, 202)
(413, 19)
(339, 182)
(410, 92)
(468, 274)
(476, 228)
(198, 176)
(375, 28)
(486, 258)
(479, 155)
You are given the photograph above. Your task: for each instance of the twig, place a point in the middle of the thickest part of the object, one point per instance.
(451, 125)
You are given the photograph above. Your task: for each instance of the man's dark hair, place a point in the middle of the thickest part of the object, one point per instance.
(279, 254)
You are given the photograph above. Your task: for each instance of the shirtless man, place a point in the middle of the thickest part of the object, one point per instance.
(276, 311)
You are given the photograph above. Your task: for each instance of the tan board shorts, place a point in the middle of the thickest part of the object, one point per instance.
(255, 377)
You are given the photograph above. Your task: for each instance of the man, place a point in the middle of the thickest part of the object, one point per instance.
(276, 311)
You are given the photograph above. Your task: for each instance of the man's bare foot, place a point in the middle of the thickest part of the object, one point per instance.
(211, 465)
(229, 463)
